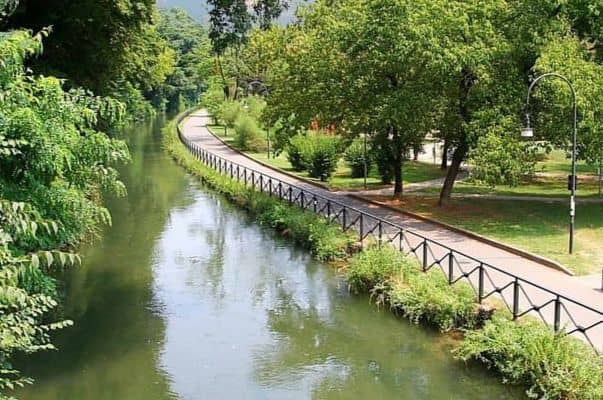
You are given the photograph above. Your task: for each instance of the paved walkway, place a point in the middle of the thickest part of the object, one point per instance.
(574, 288)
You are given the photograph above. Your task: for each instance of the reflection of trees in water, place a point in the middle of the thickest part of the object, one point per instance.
(353, 351)
(115, 341)
(212, 227)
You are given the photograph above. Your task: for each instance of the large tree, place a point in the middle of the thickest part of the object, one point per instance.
(194, 63)
(98, 44)
(359, 65)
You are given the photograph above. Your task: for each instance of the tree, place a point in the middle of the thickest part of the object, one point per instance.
(359, 65)
(54, 165)
(194, 63)
(230, 22)
(116, 43)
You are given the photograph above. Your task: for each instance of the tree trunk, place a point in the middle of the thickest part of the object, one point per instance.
(600, 179)
(398, 159)
(455, 166)
(445, 149)
(466, 82)
(225, 87)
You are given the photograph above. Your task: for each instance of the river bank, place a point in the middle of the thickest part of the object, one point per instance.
(583, 376)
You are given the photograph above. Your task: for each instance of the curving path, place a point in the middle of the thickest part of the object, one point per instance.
(580, 290)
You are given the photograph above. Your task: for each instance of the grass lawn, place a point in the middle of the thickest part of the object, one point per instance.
(557, 162)
(540, 186)
(341, 180)
(538, 227)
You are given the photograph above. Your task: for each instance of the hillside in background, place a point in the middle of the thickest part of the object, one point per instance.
(199, 10)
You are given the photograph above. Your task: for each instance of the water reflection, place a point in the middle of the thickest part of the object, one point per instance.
(187, 298)
(249, 316)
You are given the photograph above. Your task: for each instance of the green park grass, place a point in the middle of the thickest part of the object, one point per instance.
(534, 226)
(551, 187)
(413, 171)
(558, 163)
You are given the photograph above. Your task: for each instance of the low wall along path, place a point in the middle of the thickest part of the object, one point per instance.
(525, 286)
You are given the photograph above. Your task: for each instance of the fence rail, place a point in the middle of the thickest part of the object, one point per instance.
(520, 296)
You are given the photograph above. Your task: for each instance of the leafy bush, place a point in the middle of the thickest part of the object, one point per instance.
(229, 112)
(355, 157)
(316, 153)
(255, 107)
(501, 158)
(322, 156)
(213, 98)
(295, 150)
(376, 266)
(381, 152)
(427, 297)
(528, 353)
(248, 135)
(325, 240)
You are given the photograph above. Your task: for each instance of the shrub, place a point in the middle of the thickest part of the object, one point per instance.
(321, 155)
(376, 266)
(427, 297)
(229, 112)
(355, 158)
(255, 106)
(295, 151)
(248, 135)
(528, 353)
(325, 240)
(381, 152)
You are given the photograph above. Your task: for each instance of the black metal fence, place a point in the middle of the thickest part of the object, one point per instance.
(520, 296)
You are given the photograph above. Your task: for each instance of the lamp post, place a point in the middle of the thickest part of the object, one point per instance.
(265, 90)
(528, 132)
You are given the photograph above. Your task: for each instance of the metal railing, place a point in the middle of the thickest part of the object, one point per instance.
(520, 296)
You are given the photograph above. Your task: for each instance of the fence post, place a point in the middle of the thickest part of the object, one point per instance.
(290, 195)
(280, 190)
(557, 323)
(401, 240)
(450, 267)
(361, 230)
(245, 176)
(261, 183)
(380, 232)
(480, 289)
(515, 299)
(343, 220)
(329, 209)
(303, 201)
(314, 203)
(270, 187)
(424, 255)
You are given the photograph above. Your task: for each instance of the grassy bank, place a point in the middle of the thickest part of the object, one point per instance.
(538, 227)
(542, 363)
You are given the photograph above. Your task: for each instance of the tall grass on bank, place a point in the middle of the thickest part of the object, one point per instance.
(325, 240)
(393, 279)
(527, 353)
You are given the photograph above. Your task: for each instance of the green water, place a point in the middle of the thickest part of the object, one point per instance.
(184, 297)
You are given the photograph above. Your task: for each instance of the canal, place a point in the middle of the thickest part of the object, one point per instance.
(185, 297)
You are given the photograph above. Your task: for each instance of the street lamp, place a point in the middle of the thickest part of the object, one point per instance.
(266, 91)
(528, 132)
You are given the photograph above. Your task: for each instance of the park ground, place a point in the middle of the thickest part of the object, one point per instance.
(505, 214)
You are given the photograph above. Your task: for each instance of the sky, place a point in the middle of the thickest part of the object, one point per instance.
(198, 8)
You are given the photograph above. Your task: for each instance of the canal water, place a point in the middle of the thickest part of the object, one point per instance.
(185, 297)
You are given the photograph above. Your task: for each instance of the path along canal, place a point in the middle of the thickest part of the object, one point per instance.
(185, 297)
